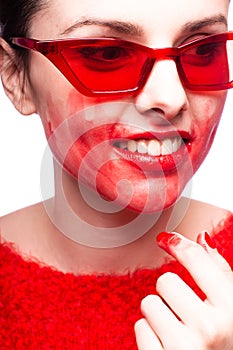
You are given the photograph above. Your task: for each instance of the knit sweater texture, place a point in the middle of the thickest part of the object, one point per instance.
(44, 309)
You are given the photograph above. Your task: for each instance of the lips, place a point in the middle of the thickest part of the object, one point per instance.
(151, 147)
(162, 154)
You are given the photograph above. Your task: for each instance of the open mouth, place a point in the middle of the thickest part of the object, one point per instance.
(152, 147)
(155, 155)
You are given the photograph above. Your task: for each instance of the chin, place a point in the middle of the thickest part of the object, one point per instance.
(154, 197)
(113, 190)
(153, 206)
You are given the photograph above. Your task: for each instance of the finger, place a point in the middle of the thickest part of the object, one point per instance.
(207, 274)
(181, 299)
(145, 337)
(163, 321)
(205, 240)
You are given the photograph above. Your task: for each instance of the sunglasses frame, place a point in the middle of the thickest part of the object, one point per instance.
(52, 50)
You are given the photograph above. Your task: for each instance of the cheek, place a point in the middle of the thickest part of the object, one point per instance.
(58, 108)
(55, 98)
(207, 115)
(210, 106)
(77, 102)
(55, 108)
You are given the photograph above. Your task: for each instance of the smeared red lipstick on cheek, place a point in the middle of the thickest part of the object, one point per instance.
(61, 108)
(91, 150)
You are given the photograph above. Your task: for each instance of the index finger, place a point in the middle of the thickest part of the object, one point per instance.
(216, 284)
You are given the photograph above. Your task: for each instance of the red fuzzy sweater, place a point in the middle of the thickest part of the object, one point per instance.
(43, 309)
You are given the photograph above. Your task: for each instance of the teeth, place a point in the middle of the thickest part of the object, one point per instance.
(142, 147)
(152, 147)
(132, 146)
(166, 147)
(177, 143)
(123, 145)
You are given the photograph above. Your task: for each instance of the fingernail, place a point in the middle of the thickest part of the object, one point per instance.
(167, 239)
(209, 240)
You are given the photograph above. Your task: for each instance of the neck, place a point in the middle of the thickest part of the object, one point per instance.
(90, 239)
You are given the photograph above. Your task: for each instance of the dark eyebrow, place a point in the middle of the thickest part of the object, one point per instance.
(117, 26)
(129, 28)
(208, 21)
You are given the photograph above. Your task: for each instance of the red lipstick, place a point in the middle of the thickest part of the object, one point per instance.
(150, 152)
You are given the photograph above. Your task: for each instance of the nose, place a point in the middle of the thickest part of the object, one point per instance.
(163, 91)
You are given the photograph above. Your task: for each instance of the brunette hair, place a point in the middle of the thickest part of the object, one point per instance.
(15, 18)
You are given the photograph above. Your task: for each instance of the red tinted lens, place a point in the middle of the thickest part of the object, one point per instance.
(206, 64)
(106, 66)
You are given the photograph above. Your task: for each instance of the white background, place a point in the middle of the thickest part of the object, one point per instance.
(22, 144)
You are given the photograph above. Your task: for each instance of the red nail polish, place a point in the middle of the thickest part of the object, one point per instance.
(209, 241)
(168, 239)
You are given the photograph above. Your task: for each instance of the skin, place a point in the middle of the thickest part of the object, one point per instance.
(201, 325)
(162, 105)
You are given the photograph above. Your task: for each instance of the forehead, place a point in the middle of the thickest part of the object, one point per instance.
(151, 17)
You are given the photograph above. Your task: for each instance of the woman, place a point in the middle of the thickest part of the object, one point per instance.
(128, 126)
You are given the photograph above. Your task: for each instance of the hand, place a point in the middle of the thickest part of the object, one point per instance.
(176, 318)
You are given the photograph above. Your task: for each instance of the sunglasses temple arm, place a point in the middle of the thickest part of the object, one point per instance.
(25, 43)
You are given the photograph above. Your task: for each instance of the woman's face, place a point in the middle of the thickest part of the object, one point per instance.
(129, 149)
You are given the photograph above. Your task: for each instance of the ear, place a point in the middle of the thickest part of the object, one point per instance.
(14, 80)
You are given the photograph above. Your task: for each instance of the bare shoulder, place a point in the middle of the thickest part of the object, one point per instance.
(202, 216)
(19, 224)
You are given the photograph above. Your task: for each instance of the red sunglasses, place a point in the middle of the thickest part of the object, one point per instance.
(103, 66)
